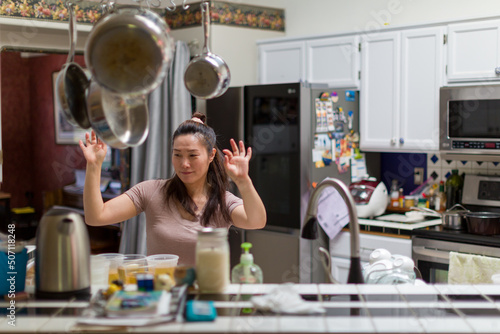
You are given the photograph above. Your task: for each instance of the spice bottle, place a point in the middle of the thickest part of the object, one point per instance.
(454, 185)
(394, 194)
(212, 260)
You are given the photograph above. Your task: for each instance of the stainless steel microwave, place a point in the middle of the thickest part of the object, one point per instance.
(470, 119)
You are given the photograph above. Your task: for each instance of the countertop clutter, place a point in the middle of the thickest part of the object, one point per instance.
(348, 308)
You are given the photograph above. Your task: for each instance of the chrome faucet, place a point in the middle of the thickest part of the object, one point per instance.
(310, 228)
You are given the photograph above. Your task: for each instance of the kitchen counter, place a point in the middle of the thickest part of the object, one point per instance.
(379, 309)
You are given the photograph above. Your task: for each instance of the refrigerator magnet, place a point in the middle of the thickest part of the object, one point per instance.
(334, 97)
(350, 95)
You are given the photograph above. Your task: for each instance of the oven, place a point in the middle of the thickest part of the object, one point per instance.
(431, 248)
(431, 251)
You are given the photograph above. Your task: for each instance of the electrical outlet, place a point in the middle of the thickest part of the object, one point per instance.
(418, 175)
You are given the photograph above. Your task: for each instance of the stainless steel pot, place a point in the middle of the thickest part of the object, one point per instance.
(120, 121)
(483, 223)
(454, 219)
(207, 76)
(129, 50)
(72, 82)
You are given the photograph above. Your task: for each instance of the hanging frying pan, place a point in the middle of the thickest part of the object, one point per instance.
(72, 82)
(129, 50)
(207, 76)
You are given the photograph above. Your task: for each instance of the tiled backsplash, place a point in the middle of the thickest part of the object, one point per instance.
(442, 168)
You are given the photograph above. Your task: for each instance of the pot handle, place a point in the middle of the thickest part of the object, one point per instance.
(205, 18)
(458, 206)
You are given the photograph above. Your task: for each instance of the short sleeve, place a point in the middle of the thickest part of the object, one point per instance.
(141, 193)
(232, 201)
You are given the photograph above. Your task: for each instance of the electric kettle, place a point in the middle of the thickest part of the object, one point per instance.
(62, 259)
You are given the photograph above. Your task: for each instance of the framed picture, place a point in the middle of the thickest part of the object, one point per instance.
(66, 133)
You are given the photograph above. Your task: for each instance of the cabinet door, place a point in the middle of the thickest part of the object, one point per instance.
(379, 98)
(334, 61)
(473, 51)
(421, 76)
(282, 62)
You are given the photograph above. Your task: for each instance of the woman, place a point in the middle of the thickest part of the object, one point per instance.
(177, 208)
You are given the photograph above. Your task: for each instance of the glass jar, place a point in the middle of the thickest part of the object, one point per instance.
(212, 260)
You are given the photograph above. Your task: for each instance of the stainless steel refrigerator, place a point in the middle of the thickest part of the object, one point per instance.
(280, 123)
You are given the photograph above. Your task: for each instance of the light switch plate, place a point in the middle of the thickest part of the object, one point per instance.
(418, 175)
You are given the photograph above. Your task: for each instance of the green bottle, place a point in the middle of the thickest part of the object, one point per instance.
(454, 185)
(246, 271)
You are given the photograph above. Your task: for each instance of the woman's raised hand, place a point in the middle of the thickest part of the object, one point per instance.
(94, 148)
(236, 162)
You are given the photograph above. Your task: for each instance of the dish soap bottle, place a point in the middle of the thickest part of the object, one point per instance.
(246, 272)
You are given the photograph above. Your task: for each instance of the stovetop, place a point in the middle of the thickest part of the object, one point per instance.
(440, 233)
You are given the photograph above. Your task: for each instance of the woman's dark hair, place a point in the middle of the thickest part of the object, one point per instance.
(215, 208)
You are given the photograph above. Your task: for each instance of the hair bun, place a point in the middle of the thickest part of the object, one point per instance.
(200, 116)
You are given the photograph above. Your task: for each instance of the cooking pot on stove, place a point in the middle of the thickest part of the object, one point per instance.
(483, 223)
(371, 197)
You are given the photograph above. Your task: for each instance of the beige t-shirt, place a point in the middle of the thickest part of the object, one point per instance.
(166, 231)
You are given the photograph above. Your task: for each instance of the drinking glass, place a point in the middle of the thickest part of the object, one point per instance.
(115, 260)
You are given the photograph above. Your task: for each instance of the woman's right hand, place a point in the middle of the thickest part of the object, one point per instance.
(94, 149)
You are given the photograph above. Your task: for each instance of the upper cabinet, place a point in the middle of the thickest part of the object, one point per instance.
(282, 62)
(474, 51)
(401, 72)
(334, 61)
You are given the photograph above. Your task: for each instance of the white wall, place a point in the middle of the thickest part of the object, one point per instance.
(315, 17)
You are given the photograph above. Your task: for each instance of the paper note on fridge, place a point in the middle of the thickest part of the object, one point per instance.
(332, 212)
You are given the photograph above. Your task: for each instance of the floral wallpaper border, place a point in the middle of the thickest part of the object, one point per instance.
(87, 12)
(226, 13)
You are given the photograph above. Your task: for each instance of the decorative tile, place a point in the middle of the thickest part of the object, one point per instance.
(435, 173)
(451, 164)
(479, 165)
(435, 160)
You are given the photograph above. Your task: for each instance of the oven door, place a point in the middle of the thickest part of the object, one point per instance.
(432, 256)
(431, 262)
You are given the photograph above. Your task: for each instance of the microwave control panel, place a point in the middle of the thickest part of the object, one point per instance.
(484, 145)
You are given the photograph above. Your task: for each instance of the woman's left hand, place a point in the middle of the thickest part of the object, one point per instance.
(236, 162)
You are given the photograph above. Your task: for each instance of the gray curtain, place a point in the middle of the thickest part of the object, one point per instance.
(169, 105)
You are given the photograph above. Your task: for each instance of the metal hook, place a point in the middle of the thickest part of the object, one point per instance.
(184, 6)
(174, 6)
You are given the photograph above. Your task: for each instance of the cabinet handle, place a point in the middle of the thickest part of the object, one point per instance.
(401, 140)
(497, 70)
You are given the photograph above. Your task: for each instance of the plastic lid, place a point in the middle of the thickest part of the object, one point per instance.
(246, 257)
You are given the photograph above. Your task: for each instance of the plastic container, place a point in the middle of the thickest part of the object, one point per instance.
(246, 272)
(12, 268)
(212, 260)
(454, 185)
(163, 264)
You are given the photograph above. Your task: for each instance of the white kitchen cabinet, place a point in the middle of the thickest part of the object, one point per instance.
(379, 98)
(282, 62)
(401, 72)
(474, 51)
(333, 61)
(340, 250)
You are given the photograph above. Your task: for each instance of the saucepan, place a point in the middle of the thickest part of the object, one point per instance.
(129, 50)
(72, 82)
(452, 219)
(120, 121)
(207, 76)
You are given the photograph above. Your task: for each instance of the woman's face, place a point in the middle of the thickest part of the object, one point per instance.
(190, 159)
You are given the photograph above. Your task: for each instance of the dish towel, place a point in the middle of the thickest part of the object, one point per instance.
(472, 269)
